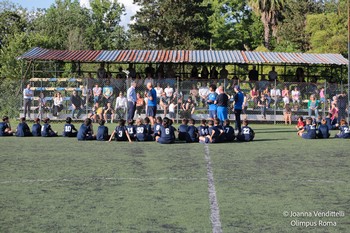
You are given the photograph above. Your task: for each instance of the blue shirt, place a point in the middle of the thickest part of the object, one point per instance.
(323, 131)
(247, 133)
(141, 132)
(344, 131)
(153, 102)
(68, 130)
(192, 133)
(212, 97)
(120, 132)
(167, 134)
(36, 129)
(131, 95)
(23, 130)
(131, 130)
(310, 131)
(203, 130)
(229, 133)
(183, 132)
(102, 133)
(46, 130)
(239, 98)
(84, 133)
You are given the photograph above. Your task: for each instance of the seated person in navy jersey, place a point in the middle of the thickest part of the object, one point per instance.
(203, 128)
(36, 128)
(69, 129)
(323, 131)
(344, 130)
(5, 127)
(46, 130)
(215, 132)
(148, 126)
(102, 131)
(167, 133)
(141, 131)
(157, 125)
(121, 132)
(247, 134)
(229, 132)
(23, 129)
(331, 122)
(86, 131)
(131, 129)
(192, 132)
(182, 130)
(309, 131)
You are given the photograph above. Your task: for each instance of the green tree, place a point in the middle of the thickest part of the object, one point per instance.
(291, 34)
(270, 13)
(169, 24)
(233, 26)
(105, 31)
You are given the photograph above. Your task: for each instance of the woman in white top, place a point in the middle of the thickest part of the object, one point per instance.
(169, 91)
(57, 103)
(296, 95)
(121, 104)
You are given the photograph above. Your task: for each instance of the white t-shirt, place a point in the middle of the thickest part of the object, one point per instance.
(169, 91)
(120, 102)
(295, 95)
(275, 92)
(159, 91)
(172, 107)
(203, 91)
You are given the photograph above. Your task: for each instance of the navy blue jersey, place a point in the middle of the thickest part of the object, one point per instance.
(149, 129)
(132, 131)
(3, 127)
(85, 133)
(229, 133)
(120, 134)
(142, 134)
(183, 132)
(192, 133)
(167, 135)
(46, 131)
(215, 133)
(203, 130)
(323, 131)
(344, 131)
(69, 130)
(156, 128)
(23, 130)
(247, 134)
(102, 133)
(310, 132)
(36, 129)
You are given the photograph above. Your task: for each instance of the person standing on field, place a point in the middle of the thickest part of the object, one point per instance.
(27, 100)
(239, 98)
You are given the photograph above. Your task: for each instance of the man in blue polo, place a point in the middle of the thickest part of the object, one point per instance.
(152, 102)
(239, 98)
(211, 101)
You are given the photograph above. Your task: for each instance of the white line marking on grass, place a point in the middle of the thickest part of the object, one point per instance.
(214, 207)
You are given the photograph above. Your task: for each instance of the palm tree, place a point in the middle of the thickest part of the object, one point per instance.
(269, 10)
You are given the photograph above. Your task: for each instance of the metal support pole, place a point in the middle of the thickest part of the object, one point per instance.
(177, 99)
(275, 105)
(348, 60)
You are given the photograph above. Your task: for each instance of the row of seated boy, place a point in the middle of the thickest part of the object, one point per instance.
(162, 131)
(311, 129)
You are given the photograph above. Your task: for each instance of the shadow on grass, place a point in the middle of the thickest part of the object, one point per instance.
(271, 139)
(277, 131)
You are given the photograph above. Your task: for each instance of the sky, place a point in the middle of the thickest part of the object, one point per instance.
(125, 19)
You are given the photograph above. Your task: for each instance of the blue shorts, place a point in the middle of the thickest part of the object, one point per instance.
(306, 136)
(151, 111)
(212, 114)
(222, 113)
(172, 115)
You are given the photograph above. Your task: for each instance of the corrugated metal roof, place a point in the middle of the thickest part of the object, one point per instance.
(184, 56)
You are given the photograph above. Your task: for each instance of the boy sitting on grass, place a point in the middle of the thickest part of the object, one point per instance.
(309, 131)
(247, 134)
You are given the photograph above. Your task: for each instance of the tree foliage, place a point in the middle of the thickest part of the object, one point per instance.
(169, 24)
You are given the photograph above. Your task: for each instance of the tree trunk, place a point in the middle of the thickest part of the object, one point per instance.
(267, 29)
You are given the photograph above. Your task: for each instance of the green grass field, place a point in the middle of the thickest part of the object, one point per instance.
(62, 185)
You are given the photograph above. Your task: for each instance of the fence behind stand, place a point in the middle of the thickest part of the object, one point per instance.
(183, 89)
